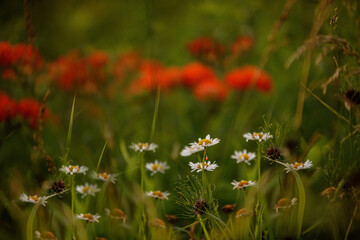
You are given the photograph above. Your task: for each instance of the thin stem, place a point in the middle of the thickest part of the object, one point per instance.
(203, 227)
(30, 222)
(73, 205)
(143, 216)
(351, 221)
(93, 229)
(257, 209)
(101, 156)
(156, 110)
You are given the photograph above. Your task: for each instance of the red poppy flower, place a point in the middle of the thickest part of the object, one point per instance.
(126, 63)
(29, 109)
(206, 48)
(248, 77)
(8, 107)
(210, 90)
(243, 43)
(152, 74)
(194, 73)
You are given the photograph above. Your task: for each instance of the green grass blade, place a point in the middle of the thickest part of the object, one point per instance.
(156, 110)
(68, 139)
(301, 202)
(328, 107)
(101, 155)
(30, 222)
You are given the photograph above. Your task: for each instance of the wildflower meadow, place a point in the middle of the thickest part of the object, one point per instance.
(160, 119)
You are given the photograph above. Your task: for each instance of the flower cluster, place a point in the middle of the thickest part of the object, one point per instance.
(72, 71)
(18, 60)
(28, 109)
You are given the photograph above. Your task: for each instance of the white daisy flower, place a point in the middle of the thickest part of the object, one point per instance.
(298, 166)
(206, 142)
(72, 169)
(198, 167)
(243, 156)
(88, 217)
(104, 176)
(140, 147)
(158, 194)
(259, 136)
(242, 184)
(33, 199)
(156, 167)
(87, 189)
(194, 148)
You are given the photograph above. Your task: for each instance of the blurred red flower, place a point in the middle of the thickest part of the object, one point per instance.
(8, 107)
(126, 63)
(206, 48)
(242, 43)
(152, 75)
(212, 89)
(74, 72)
(19, 58)
(249, 77)
(29, 109)
(195, 73)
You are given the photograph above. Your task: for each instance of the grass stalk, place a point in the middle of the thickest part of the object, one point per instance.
(30, 222)
(156, 111)
(68, 139)
(101, 156)
(351, 221)
(203, 227)
(72, 206)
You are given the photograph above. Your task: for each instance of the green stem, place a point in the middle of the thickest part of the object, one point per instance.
(156, 110)
(100, 199)
(93, 229)
(257, 209)
(143, 216)
(101, 156)
(73, 205)
(350, 224)
(30, 222)
(68, 139)
(203, 227)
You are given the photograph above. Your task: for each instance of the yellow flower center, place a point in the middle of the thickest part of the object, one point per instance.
(74, 168)
(88, 216)
(104, 175)
(156, 167)
(297, 165)
(199, 166)
(257, 134)
(206, 141)
(243, 183)
(34, 198)
(86, 189)
(245, 156)
(143, 146)
(158, 194)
